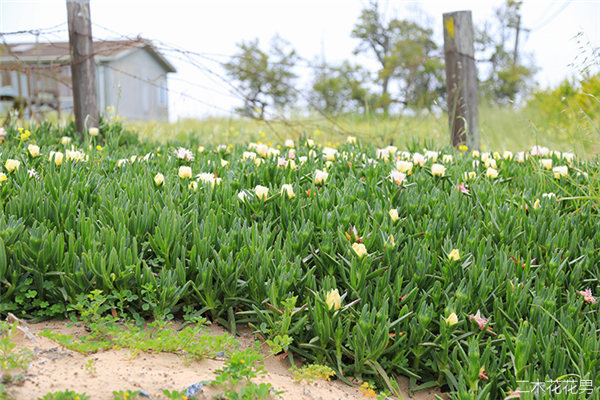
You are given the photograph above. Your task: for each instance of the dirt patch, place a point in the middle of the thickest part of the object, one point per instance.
(54, 368)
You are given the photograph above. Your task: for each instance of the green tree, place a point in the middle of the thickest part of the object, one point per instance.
(341, 89)
(265, 80)
(406, 53)
(507, 75)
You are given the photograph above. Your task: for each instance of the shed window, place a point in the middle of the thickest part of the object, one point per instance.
(162, 94)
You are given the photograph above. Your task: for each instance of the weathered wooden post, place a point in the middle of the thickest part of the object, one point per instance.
(83, 69)
(461, 79)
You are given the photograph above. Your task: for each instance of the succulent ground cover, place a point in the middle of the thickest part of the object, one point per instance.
(474, 271)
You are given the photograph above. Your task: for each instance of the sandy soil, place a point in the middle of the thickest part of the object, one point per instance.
(55, 368)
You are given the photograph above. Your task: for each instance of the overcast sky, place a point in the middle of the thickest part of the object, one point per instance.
(315, 29)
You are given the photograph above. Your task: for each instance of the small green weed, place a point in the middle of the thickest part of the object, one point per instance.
(237, 374)
(175, 395)
(65, 395)
(312, 372)
(125, 394)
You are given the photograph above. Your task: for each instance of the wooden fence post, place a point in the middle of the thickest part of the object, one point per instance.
(83, 68)
(461, 79)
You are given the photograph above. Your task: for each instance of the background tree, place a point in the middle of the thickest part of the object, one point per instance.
(264, 79)
(341, 89)
(507, 76)
(406, 53)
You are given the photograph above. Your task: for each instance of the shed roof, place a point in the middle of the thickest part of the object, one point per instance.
(104, 51)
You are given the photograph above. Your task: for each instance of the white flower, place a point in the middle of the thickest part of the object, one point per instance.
(248, 155)
(490, 163)
(392, 150)
(438, 170)
(288, 189)
(184, 154)
(185, 172)
(159, 179)
(447, 159)
(320, 177)
(470, 175)
(539, 151)
(289, 143)
(261, 192)
(418, 159)
(75, 155)
(310, 143)
(521, 157)
(507, 155)
(548, 195)
(242, 195)
(302, 159)
(32, 173)
(359, 249)
(475, 154)
(329, 153)
(351, 140)
(65, 140)
(431, 155)
(11, 165)
(382, 154)
(224, 163)
(397, 176)
(560, 171)
(34, 150)
(394, 214)
(404, 166)
(546, 163)
(568, 157)
(93, 131)
(57, 156)
(119, 162)
(491, 173)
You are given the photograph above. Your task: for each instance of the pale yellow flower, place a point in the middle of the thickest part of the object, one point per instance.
(159, 179)
(404, 166)
(185, 172)
(11, 165)
(224, 163)
(34, 150)
(261, 192)
(447, 159)
(454, 255)
(560, 171)
(93, 131)
(57, 156)
(546, 163)
(288, 189)
(491, 173)
(475, 154)
(397, 177)
(329, 153)
(193, 185)
(470, 175)
(320, 177)
(65, 140)
(419, 159)
(394, 215)
(507, 155)
(242, 196)
(490, 163)
(452, 319)
(333, 300)
(289, 143)
(536, 204)
(359, 249)
(351, 140)
(438, 170)
(3, 177)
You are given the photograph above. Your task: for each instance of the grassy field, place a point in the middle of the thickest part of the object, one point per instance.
(472, 271)
(501, 128)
